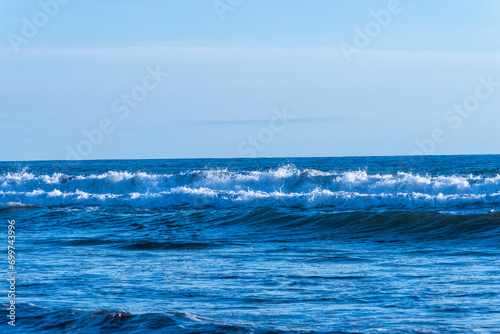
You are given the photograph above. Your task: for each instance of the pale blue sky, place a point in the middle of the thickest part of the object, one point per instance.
(227, 76)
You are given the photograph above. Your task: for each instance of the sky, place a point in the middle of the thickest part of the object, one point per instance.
(248, 78)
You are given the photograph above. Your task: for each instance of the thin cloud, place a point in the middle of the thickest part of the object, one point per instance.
(266, 120)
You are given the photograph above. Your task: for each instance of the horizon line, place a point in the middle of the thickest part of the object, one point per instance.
(276, 157)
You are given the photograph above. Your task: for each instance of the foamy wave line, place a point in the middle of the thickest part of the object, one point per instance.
(201, 197)
(285, 186)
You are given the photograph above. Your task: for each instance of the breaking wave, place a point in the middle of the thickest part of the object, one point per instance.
(286, 186)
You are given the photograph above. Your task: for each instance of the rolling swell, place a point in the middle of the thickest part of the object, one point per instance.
(44, 320)
(322, 224)
(286, 186)
(206, 230)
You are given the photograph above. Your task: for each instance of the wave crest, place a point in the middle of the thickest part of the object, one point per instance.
(285, 186)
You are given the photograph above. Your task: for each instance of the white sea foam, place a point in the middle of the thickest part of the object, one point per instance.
(285, 186)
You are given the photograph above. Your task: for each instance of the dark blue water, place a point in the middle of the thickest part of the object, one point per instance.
(311, 245)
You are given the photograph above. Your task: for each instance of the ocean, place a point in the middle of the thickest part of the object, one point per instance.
(278, 245)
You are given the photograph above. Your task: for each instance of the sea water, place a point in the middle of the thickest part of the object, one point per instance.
(306, 245)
